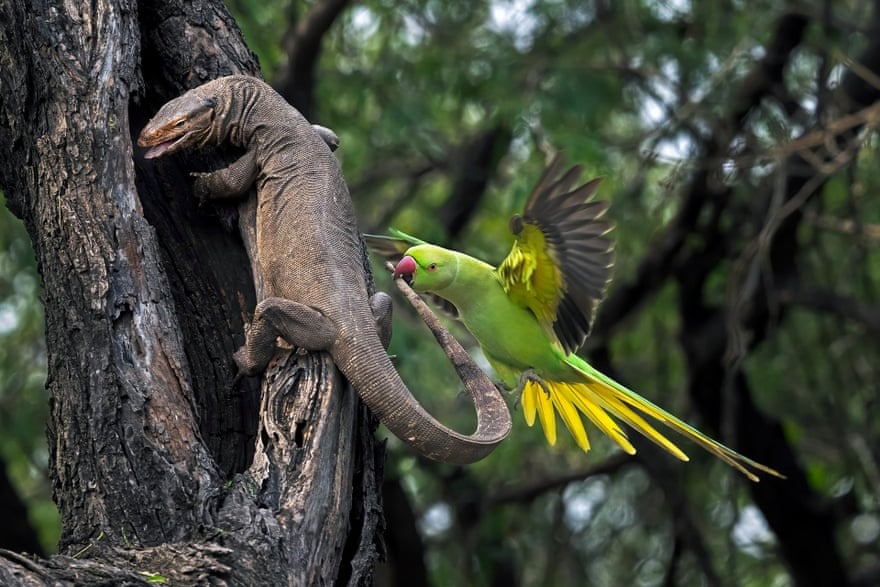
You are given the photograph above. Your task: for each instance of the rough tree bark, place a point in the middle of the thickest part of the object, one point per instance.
(159, 466)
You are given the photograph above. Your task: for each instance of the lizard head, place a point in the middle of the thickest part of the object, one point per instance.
(183, 122)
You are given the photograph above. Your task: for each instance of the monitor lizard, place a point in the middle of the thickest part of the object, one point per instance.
(306, 251)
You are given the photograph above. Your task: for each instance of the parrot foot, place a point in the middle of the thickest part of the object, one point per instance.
(530, 375)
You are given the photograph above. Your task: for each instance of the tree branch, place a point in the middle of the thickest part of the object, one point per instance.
(476, 163)
(302, 45)
(660, 261)
(827, 300)
(527, 493)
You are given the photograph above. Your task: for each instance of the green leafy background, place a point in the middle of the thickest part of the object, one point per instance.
(406, 84)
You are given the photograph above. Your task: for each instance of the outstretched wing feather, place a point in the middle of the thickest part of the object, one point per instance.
(561, 262)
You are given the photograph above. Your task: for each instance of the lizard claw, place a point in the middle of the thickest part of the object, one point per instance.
(200, 187)
(240, 362)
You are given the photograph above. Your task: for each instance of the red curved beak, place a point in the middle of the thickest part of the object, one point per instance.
(406, 268)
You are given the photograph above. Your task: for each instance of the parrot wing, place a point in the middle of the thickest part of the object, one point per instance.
(560, 263)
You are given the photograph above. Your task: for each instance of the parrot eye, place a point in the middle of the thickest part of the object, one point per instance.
(432, 267)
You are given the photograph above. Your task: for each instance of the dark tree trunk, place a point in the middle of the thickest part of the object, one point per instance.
(155, 456)
(17, 533)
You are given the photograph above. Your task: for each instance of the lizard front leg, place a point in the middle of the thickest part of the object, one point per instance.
(230, 182)
(296, 323)
(234, 180)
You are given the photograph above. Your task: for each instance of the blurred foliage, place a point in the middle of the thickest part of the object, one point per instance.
(24, 404)
(628, 89)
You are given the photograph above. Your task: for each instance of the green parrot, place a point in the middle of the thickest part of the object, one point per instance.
(535, 310)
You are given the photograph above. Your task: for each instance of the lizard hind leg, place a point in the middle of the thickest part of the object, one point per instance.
(296, 323)
(380, 304)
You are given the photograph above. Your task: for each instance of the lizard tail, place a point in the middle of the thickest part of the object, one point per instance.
(385, 393)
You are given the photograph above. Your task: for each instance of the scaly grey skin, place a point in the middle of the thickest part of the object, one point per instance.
(307, 256)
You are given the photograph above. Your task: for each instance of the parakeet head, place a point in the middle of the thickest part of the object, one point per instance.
(428, 268)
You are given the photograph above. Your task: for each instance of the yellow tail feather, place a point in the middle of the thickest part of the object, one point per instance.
(594, 411)
(535, 401)
(599, 398)
(571, 418)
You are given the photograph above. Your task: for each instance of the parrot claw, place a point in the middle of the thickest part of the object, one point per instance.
(530, 375)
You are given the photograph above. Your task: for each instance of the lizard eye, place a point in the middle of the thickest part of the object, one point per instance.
(432, 267)
(180, 123)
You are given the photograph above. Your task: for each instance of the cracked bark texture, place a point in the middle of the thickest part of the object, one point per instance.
(155, 456)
